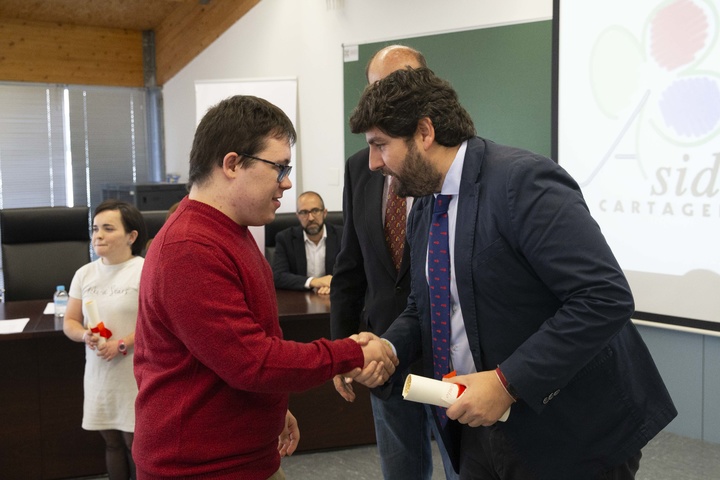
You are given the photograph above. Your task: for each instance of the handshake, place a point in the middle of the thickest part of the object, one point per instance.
(380, 363)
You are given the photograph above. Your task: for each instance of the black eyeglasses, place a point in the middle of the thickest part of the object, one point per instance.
(315, 212)
(284, 170)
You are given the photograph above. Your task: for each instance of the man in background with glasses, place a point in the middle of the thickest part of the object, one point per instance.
(305, 254)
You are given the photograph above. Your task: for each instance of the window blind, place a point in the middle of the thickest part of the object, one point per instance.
(59, 145)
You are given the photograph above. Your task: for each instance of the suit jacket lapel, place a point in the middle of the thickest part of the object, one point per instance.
(418, 233)
(331, 248)
(405, 264)
(299, 249)
(467, 210)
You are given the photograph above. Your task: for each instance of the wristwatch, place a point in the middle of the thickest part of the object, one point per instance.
(122, 348)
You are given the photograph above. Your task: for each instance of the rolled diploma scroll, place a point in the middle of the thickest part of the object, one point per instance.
(435, 392)
(94, 318)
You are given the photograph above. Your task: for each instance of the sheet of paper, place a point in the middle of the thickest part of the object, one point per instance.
(49, 309)
(13, 326)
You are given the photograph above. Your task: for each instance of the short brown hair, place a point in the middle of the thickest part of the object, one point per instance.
(240, 124)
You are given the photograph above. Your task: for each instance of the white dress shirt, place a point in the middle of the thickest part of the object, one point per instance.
(315, 255)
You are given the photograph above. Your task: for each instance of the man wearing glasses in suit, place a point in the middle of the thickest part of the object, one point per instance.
(305, 254)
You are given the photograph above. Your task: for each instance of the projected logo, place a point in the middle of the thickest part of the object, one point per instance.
(642, 133)
(639, 129)
(662, 85)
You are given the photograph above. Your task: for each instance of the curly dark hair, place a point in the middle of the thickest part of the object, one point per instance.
(396, 103)
(240, 124)
(131, 218)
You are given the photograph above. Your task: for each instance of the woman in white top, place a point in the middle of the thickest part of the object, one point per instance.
(112, 283)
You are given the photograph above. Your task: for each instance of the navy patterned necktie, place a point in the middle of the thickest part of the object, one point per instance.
(439, 283)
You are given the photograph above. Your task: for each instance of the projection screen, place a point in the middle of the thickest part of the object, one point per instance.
(638, 124)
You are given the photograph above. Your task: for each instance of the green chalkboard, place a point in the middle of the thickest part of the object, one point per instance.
(503, 76)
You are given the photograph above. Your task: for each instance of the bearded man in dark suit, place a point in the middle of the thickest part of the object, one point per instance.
(538, 314)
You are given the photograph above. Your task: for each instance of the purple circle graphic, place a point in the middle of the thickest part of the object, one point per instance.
(691, 106)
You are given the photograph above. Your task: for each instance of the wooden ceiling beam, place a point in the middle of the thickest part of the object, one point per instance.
(189, 29)
(70, 54)
(34, 50)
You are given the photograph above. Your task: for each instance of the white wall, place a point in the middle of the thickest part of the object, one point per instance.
(303, 39)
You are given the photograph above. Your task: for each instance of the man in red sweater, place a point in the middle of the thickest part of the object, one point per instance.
(213, 370)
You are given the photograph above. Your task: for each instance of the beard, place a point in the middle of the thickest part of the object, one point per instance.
(313, 228)
(417, 177)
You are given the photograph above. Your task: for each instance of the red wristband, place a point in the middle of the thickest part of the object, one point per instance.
(508, 388)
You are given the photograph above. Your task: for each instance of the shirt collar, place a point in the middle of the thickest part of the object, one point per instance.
(451, 185)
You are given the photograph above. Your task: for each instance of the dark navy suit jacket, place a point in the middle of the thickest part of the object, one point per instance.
(543, 297)
(367, 292)
(289, 260)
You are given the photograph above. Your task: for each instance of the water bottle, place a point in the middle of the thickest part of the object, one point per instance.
(60, 298)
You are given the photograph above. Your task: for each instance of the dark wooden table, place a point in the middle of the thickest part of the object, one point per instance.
(41, 395)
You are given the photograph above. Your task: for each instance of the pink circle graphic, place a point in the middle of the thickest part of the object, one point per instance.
(678, 32)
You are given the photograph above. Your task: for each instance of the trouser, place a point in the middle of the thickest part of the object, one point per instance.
(486, 454)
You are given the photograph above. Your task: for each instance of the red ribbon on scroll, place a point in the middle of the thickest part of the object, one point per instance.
(101, 330)
(461, 387)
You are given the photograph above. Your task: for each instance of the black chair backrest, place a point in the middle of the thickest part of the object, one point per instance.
(281, 222)
(42, 247)
(336, 218)
(154, 220)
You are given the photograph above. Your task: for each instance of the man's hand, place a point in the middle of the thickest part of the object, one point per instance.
(483, 402)
(290, 436)
(380, 361)
(321, 284)
(364, 337)
(344, 387)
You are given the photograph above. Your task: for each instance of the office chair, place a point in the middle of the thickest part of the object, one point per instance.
(42, 247)
(154, 220)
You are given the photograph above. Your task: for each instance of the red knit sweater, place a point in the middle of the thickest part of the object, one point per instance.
(212, 368)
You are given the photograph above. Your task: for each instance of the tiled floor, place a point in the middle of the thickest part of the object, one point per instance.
(672, 457)
(667, 457)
